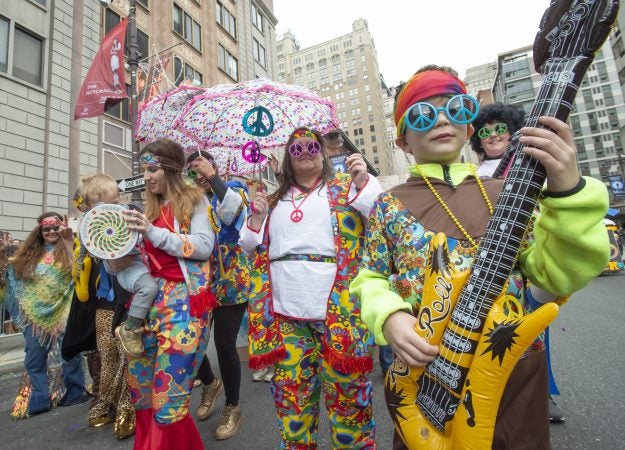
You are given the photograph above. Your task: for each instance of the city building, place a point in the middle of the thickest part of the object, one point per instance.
(344, 70)
(598, 113)
(46, 49)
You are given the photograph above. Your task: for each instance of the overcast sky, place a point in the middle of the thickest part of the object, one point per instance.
(411, 33)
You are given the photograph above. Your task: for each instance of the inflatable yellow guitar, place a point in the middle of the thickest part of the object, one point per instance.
(452, 403)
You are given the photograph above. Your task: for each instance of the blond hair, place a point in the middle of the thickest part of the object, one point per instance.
(93, 188)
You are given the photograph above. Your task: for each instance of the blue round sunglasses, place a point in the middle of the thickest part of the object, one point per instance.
(461, 109)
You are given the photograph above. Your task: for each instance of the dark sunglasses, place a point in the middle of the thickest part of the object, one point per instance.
(296, 149)
(49, 229)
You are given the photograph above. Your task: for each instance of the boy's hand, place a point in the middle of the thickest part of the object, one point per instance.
(412, 349)
(555, 149)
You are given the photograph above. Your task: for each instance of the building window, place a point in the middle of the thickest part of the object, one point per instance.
(27, 57)
(257, 18)
(259, 53)
(121, 110)
(144, 3)
(185, 72)
(185, 26)
(4, 44)
(41, 2)
(228, 63)
(227, 20)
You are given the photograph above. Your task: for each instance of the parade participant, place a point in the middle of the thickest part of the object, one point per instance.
(231, 280)
(305, 242)
(99, 290)
(178, 240)
(446, 199)
(493, 127)
(38, 296)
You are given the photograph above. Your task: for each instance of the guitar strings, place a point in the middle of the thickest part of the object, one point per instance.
(529, 166)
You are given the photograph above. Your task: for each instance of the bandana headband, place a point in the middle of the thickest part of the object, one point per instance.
(49, 221)
(150, 159)
(423, 85)
(305, 133)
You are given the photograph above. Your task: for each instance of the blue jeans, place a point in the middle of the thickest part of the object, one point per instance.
(36, 363)
(385, 355)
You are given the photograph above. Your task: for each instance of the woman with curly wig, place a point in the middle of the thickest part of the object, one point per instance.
(38, 294)
(178, 242)
(494, 126)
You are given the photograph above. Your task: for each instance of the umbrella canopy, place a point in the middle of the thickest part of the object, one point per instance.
(155, 118)
(253, 117)
(236, 123)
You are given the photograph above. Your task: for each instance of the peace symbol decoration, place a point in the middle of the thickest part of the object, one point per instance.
(105, 234)
(261, 123)
(251, 152)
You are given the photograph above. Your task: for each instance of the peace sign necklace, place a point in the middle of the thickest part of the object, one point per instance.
(297, 214)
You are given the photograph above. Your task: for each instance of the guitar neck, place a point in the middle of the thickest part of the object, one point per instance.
(504, 233)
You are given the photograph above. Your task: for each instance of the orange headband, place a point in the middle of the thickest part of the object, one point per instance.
(424, 85)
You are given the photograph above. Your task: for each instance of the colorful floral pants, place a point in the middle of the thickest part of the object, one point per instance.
(174, 342)
(296, 389)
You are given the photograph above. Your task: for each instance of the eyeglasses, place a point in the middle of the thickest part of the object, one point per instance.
(296, 149)
(49, 229)
(461, 109)
(485, 132)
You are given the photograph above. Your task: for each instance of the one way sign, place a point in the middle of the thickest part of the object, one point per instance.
(131, 184)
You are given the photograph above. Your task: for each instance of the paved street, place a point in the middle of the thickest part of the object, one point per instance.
(587, 341)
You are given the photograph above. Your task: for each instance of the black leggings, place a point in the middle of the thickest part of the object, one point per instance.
(226, 324)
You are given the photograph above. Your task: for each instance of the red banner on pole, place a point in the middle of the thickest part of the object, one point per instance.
(105, 83)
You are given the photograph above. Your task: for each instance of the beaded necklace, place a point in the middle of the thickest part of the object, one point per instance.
(446, 208)
(187, 246)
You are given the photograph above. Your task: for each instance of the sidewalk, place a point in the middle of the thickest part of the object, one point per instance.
(11, 353)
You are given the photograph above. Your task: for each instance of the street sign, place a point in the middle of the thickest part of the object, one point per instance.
(131, 184)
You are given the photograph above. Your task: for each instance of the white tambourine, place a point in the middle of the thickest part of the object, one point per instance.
(105, 233)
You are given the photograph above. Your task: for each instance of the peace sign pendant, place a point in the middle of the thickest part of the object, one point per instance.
(297, 216)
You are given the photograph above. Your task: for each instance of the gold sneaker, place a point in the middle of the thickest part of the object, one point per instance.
(228, 422)
(209, 395)
(100, 421)
(130, 340)
(125, 424)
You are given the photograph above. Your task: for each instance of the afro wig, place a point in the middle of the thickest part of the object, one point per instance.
(511, 115)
